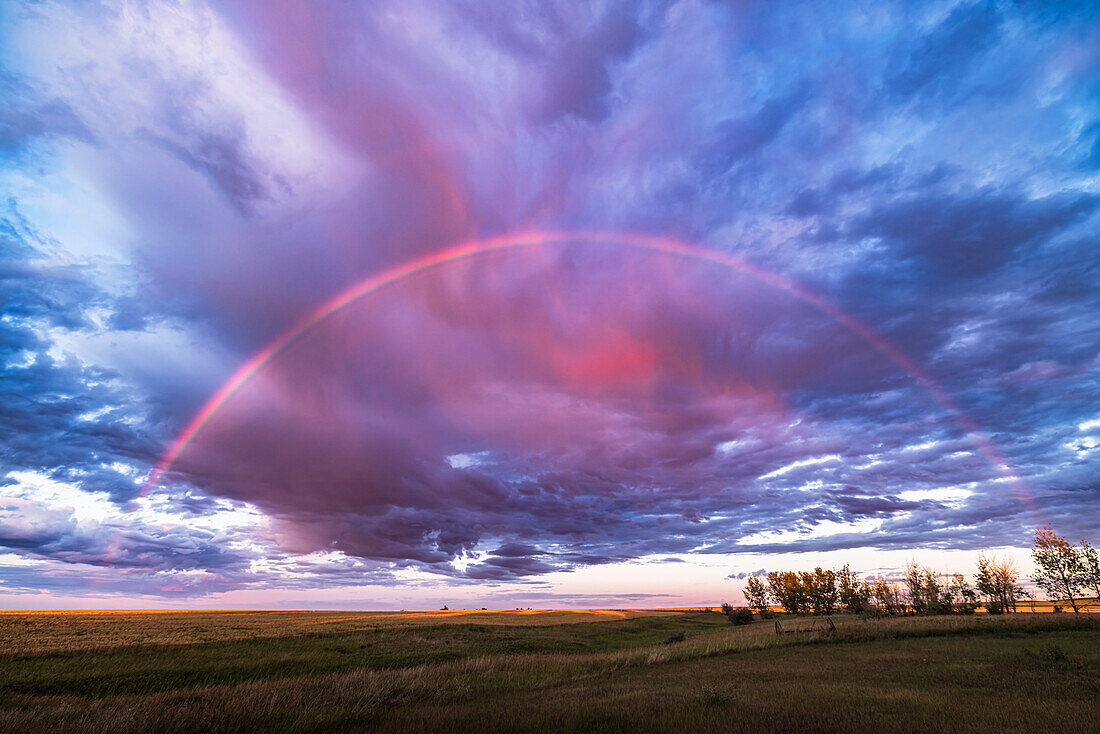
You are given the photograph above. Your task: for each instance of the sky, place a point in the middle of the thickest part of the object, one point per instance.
(398, 304)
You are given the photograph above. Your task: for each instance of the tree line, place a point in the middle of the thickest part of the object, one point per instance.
(1062, 570)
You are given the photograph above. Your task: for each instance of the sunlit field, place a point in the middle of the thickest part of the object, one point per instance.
(35, 633)
(597, 670)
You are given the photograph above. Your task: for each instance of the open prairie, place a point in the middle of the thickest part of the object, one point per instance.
(593, 670)
(38, 632)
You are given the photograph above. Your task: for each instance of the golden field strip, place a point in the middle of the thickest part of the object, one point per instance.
(41, 632)
(48, 631)
(590, 670)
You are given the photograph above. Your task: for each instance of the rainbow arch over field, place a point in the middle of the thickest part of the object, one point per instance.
(531, 239)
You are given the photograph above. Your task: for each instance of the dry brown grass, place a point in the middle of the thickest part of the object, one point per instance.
(25, 633)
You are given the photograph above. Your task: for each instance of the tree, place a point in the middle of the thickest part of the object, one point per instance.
(923, 588)
(820, 590)
(891, 595)
(932, 593)
(955, 596)
(1059, 568)
(756, 594)
(987, 587)
(786, 590)
(1092, 567)
(1005, 574)
(963, 598)
(855, 596)
(914, 586)
(996, 580)
(887, 596)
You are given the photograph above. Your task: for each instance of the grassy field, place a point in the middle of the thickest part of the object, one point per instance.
(598, 670)
(35, 633)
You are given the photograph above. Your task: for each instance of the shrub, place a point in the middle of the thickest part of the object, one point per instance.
(737, 615)
(1057, 609)
(1052, 654)
(674, 637)
(740, 615)
(994, 607)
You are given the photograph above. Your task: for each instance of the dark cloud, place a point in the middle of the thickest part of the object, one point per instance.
(57, 414)
(939, 61)
(218, 155)
(964, 235)
(577, 80)
(27, 115)
(741, 137)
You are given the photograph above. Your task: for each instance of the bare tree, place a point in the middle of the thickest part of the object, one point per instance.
(1060, 570)
(1005, 573)
(996, 580)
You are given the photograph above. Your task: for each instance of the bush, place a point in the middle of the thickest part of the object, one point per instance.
(674, 637)
(737, 615)
(994, 607)
(1057, 609)
(1052, 654)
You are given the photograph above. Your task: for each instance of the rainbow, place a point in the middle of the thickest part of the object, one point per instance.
(517, 241)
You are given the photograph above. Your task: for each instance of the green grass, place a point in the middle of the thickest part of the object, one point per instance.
(1009, 673)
